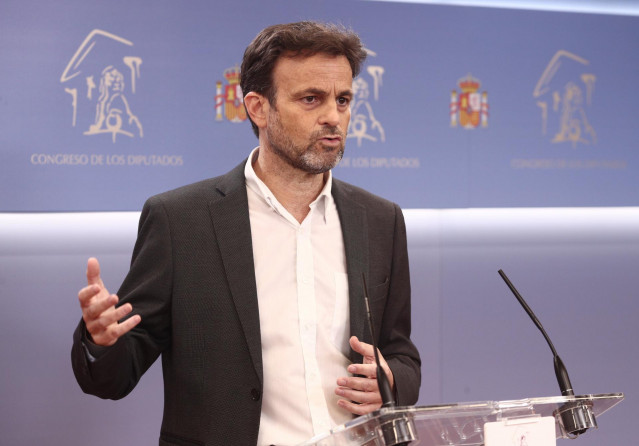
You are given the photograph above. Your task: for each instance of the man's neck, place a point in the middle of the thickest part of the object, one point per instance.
(293, 188)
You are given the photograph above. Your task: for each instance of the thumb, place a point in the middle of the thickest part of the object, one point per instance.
(364, 349)
(93, 272)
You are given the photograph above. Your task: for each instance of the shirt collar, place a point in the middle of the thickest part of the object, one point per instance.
(320, 204)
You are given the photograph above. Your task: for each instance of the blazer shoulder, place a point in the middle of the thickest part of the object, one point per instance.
(201, 191)
(345, 191)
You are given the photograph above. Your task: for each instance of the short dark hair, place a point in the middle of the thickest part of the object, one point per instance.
(300, 39)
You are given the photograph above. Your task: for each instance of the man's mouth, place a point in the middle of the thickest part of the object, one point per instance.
(331, 139)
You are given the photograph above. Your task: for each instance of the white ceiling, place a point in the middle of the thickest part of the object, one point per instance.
(622, 7)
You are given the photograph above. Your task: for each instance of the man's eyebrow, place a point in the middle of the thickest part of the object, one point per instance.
(319, 92)
(311, 92)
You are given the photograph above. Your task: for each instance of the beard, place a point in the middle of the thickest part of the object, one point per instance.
(314, 157)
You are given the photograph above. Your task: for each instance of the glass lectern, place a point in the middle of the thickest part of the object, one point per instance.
(463, 424)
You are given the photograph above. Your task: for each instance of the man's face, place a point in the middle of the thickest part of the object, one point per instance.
(307, 124)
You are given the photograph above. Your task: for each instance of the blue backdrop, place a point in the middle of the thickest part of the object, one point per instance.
(457, 107)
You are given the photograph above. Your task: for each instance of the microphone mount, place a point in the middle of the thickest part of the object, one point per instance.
(574, 417)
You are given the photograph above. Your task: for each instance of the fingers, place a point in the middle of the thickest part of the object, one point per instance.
(368, 354)
(359, 409)
(98, 320)
(367, 370)
(98, 305)
(99, 311)
(111, 333)
(127, 325)
(353, 385)
(106, 330)
(361, 395)
(86, 294)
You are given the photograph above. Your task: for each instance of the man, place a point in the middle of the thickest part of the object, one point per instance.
(250, 284)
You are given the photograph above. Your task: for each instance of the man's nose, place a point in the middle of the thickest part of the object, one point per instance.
(330, 114)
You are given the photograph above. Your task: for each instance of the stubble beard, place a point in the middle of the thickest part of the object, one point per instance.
(309, 159)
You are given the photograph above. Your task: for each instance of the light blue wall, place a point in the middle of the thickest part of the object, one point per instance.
(576, 267)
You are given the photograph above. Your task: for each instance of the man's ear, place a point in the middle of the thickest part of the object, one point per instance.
(257, 107)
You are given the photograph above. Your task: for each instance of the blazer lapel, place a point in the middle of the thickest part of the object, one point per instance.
(230, 217)
(352, 217)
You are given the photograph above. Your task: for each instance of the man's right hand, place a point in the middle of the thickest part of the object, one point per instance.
(99, 312)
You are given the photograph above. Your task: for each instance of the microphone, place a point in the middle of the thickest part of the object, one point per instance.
(575, 418)
(560, 370)
(388, 400)
(397, 429)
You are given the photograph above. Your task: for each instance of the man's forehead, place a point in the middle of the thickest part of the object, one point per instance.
(313, 71)
(317, 59)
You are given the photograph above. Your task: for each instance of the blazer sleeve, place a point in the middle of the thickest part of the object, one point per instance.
(395, 344)
(116, 371)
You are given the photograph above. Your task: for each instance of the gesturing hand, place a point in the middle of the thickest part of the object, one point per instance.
(99, 312)
(362, 393)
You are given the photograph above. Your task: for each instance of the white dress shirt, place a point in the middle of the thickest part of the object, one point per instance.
(302, 290)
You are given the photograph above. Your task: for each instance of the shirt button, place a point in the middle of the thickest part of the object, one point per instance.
(255, 394)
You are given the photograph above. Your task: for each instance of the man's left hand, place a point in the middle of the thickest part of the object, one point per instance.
(361, 393)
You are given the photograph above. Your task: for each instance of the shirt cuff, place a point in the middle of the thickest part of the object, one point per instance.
(91, 350)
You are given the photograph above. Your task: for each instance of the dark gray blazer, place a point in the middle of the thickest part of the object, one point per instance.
(192, 280)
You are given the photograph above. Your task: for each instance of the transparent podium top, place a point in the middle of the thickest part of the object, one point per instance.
(457, 424)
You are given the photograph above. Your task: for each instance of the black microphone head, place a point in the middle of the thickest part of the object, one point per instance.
(562, 377)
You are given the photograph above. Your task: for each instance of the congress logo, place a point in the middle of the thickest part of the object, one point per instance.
(229, 102)
(564, 95)
(101, 79)
(364, 125)
(469, 108)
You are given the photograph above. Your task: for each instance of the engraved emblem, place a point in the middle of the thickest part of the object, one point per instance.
(469, 108)
(109, 111)
(229, 102)
(564, 94)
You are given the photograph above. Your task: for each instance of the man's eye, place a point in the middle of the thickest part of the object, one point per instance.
(309, 99)
(343, 101)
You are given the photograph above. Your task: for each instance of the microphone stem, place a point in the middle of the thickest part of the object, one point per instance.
(560, 369)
